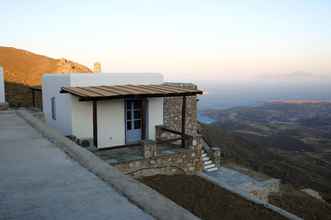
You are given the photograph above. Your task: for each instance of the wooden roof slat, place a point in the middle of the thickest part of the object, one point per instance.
(178, 88)
(144, 89)
(118, 90)
(161, 89)
(128, 88)
(78, 91)
(93, 91)
(150, 88)
(101, 91)
(106, 88)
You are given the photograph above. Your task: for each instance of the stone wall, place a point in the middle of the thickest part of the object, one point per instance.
(184, 162)
(172, 111)
(180, 161)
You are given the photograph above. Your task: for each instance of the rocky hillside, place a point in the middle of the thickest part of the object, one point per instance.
(27, 68)
(23, 69)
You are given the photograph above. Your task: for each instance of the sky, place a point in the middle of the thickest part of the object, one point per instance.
(208, 40)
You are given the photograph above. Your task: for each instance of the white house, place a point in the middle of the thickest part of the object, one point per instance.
(2, 87)
(110, 109)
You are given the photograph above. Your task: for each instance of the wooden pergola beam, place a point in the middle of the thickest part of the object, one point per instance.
(95, 123)
(143, 118)
(35, 89)
(183, 121)
(33, 98)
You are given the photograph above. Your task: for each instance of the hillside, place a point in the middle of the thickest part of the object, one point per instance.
(23, 68)
(287, 141)
(27, 68)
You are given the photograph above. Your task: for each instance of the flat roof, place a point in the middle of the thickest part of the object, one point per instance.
(92, 93)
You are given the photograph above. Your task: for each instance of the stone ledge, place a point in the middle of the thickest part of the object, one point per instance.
(139, 194)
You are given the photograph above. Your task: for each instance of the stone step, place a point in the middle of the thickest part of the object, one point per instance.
(210, 166)
(211, 169)
(205, 158)
(207, 162)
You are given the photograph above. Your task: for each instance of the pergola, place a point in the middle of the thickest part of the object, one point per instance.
(98, 93)
(35, 89)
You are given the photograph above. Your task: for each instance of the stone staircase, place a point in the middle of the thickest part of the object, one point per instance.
(208, 165)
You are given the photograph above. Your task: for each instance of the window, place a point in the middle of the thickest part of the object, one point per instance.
(53, 106)
(137, 124)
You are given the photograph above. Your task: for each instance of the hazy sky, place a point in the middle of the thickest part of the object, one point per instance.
(183, 39)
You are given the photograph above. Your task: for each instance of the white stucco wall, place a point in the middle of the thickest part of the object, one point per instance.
(2, 86)
(111, 125)
(155, 115)
(51, 85)
(81, 118)
(76, 117)
(114, 79)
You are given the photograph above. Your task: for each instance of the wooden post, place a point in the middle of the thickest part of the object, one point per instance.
(33, 98)
(143, 118)
(183, 121)
(95, 124)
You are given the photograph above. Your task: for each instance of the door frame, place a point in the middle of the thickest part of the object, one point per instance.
(144, 118)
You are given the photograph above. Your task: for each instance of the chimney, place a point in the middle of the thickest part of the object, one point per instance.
(97, 67)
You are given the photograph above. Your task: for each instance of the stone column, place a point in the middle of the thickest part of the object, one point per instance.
(150, 149)
(216, 156)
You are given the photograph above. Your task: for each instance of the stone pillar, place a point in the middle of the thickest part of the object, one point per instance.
(216, 156)
(150, 149)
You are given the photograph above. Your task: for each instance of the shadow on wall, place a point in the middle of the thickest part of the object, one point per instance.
(20, 95)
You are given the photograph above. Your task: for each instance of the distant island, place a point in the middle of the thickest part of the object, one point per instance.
(299, 101)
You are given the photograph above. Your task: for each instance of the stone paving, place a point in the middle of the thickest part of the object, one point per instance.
(131, 153)
(39, 181)
(244, 183)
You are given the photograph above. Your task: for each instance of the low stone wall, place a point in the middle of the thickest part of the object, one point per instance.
(183, 162)
(179, 161)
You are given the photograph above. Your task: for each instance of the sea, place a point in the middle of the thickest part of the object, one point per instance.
(226, 94)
